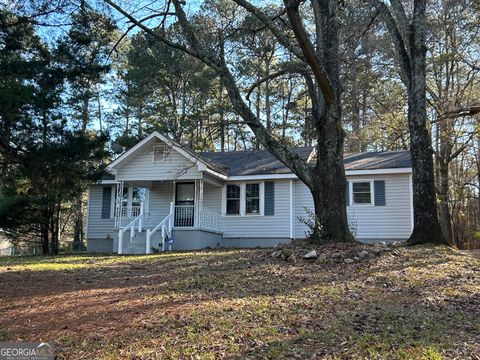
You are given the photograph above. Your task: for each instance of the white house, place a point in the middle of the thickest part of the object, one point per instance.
(161, 190)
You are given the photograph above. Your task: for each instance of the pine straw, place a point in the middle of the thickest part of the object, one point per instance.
(419, 303)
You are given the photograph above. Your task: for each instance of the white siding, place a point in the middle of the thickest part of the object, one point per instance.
(254, 226)
(302, 198)
(161, 195)
(392, 221)
(142, 167)
(98, 228)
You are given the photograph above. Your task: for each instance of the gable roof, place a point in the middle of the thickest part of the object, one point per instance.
(183, 150)
(378, 160)
(251, 162)
(262, 162)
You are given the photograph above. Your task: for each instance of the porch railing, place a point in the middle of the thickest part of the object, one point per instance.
(136, 223)
(127, 214)
(165, 226)
(208, 219)
(184, 215)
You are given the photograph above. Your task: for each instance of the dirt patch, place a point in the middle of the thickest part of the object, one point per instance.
(422, 302)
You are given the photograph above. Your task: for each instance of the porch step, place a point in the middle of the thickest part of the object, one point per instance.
(134, 250)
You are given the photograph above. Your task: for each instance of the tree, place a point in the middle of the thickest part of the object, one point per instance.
(409, 38)
(453, 91)
(318, 62)
(43, 163)
(84, 56)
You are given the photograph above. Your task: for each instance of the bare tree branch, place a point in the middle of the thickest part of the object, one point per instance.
(309, 53)
(290, 159)
(397, 39)
(402, 21)
(291, 68)
(161, 38)
(276, 31)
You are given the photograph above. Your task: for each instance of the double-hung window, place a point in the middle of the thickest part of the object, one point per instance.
(362, 193)
(252, 198)
(243, 199)
(233, 200)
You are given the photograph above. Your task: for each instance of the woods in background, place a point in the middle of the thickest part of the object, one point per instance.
(73, 77)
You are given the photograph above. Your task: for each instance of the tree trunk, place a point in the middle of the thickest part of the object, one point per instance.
(443, 197)
(222, 116)
(426, 226)
(328, 185)
(478, 176)
(267, 97)
(44, 239)
(78, 238)
(257, 112)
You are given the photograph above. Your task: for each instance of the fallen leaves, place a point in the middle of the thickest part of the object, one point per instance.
(416, 302)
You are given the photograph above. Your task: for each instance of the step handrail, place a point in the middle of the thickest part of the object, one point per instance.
(131, 225)
(166, 225)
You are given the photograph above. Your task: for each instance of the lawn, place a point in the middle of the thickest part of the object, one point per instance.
(413, 303)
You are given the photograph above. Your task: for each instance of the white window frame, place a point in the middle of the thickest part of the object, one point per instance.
(129, 199)
(372, 192)
(243, 201)
(224, 207)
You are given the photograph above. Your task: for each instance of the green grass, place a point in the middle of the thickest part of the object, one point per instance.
(421, 304)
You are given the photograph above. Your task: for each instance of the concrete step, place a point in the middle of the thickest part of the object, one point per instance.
(134, 250)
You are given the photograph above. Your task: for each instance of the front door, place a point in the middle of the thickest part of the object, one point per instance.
(184, 204)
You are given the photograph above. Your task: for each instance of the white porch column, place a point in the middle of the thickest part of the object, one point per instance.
(198, 201)
(118, 204)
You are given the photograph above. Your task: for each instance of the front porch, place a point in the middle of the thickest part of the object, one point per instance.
(149, 213)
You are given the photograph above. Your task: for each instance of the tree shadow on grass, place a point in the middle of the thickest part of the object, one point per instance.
(384, 331)
(202, 295)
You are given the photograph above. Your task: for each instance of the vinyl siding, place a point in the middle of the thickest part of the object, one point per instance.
(301, 199)
(160, 197)
(392, 221)
(142, 167)
(98, 228)
(253, 226)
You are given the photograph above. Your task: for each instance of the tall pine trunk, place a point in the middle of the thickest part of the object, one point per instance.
(426, 226)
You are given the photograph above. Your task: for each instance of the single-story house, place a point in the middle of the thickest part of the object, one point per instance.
(162, 193)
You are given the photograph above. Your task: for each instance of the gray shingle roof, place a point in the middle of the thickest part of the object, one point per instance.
(378, 160)
(262, 162)
(253, 162)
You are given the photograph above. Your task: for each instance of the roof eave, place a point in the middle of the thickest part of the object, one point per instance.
(202, 165)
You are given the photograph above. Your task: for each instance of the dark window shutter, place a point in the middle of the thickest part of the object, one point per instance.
(269, 208)
(106, 202)
(347, 193)
(379, 186)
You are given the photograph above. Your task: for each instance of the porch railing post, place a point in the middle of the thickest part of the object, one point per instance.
(147, 243)
(120, 242)
(163, 238)
(140, 221)
(171, 218)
